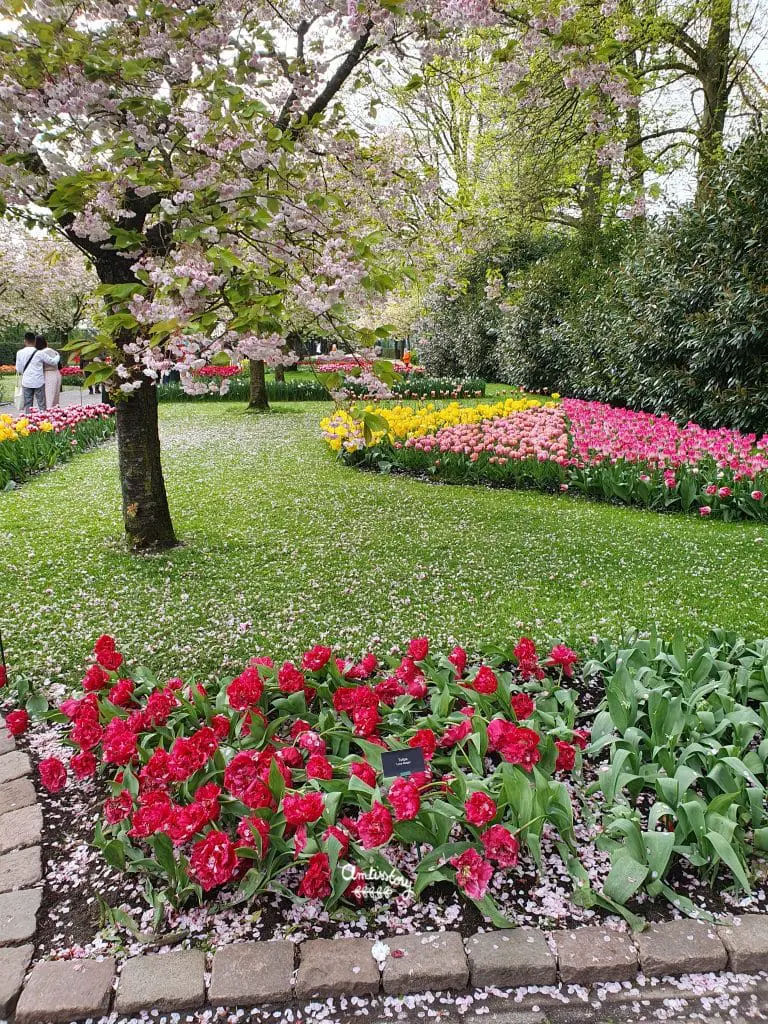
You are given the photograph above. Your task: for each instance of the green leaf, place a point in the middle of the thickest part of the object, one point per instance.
(625, 877)
(729, 857)
(114, 854)
(163, 850)
(658, 850)
(488, 908)
(37, 705)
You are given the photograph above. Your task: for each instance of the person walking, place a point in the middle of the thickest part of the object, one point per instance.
(30, 361)
(51, 374)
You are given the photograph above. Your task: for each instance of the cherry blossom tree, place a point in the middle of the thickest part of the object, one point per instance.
(186, 149)
(45, 283)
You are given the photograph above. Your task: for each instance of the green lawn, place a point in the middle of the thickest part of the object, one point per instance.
(279, 535)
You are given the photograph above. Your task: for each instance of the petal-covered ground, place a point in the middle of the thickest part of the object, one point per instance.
(284, 547)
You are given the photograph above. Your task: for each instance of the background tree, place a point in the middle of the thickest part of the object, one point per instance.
(46, 284)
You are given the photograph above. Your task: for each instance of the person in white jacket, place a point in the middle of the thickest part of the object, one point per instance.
(30, 363)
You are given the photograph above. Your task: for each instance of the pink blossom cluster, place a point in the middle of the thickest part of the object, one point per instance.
(600, 432)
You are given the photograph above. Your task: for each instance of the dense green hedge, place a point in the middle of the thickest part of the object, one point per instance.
(12, 339)
(463, 325)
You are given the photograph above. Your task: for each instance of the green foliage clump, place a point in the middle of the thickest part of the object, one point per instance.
(684, 322)
(536, 346)
(461, 332)
(685, 761)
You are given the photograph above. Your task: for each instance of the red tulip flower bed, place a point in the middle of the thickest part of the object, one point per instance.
(230, 785)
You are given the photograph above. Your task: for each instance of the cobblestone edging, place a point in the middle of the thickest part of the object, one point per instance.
(247, 974)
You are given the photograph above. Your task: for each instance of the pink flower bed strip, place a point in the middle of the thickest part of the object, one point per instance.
(611, 454)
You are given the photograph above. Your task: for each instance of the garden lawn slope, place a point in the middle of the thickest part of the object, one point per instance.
(285, 547)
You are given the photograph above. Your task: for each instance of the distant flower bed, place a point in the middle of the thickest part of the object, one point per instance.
(344, 433)
(418, 387)
(585, 447)
(219, 371)
(7, 371)
(39, 440)
(238, 389)
(72, 371)
(344, 364)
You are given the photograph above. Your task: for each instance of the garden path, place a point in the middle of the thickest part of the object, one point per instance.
(69, 396)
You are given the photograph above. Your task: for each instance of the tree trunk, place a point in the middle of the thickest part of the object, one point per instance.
(146, 514)
(591, 202)
(259, 400)
(636, 163)
(714, 68)
(280, 374)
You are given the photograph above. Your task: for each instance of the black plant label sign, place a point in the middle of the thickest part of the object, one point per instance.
(402, 762)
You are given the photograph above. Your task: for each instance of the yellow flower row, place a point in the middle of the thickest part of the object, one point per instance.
(12, 430)
(342, 430)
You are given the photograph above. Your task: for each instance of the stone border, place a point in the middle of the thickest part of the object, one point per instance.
(249, 974)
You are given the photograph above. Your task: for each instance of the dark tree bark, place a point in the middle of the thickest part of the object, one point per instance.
(146, 514)
(259, 401)
(280, 374)
(714, 67)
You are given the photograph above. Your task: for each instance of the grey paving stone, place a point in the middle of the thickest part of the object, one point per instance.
(430, 960)
(13, 966)
(680, 947)
(20, 869)
(252, 973)
(21, 828)
(19, 793)
(587, 955)
(14, 766)
(331, 967)
(59, 991)
(7, 742)
(511, 958)
(18, 915)
(162, 981)
(746, 940)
